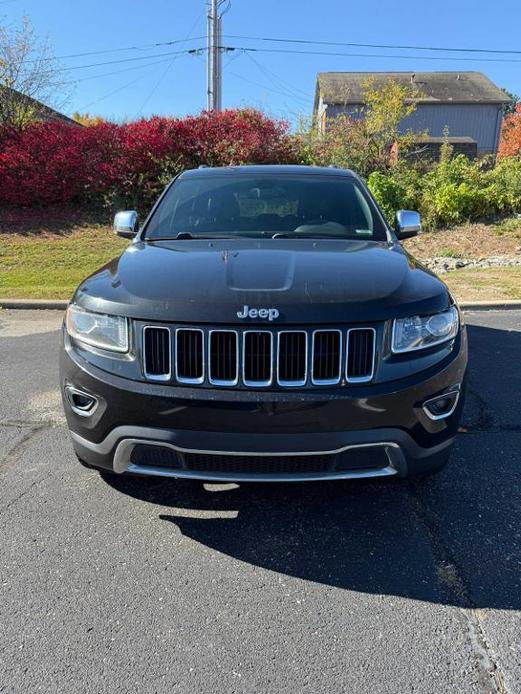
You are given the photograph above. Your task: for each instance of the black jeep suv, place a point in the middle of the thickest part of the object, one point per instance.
(264, 324)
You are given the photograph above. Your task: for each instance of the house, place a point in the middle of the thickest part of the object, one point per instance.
(466, 104)
(15, 104)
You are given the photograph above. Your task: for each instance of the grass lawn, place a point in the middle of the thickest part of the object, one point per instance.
(485, 284)
(51, 267)
(44, 254)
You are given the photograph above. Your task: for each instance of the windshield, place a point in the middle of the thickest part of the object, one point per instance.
(264, 206)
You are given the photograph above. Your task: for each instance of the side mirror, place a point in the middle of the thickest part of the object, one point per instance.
(125, 224)
(408, 223)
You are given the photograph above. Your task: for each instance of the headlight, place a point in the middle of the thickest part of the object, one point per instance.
(97, 329)
(420, 332)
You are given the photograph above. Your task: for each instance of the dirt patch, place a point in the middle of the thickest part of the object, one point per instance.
(469, 241)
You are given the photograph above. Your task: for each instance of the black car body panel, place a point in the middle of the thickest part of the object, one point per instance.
(320, 281)
(313, 283)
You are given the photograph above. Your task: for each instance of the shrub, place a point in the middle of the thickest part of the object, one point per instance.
(129, 164)
(450, 192)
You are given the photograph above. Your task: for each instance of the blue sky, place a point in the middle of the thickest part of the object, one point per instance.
(281, 84)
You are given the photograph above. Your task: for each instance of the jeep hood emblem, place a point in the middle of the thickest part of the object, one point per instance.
(264, 313)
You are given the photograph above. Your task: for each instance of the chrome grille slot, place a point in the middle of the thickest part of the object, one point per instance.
(223, 358)
(326, 360)
(257, 358)
(156, 353)
(360, 355)
(292, 358)
(189, 365)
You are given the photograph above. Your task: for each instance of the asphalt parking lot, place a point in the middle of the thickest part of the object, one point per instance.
(163, 586)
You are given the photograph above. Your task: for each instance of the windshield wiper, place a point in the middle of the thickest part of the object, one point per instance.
(186, 235)
(297, 235)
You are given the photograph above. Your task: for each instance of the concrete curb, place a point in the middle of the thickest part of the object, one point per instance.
(61, 305)
(53, 304)
(490, 305)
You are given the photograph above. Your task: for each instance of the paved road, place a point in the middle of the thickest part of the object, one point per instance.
(161, 586)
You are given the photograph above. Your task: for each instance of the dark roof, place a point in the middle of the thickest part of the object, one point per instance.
(434, 87)
(42, 111)
(267, 169)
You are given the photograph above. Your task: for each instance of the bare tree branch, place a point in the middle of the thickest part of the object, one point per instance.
(30, 78)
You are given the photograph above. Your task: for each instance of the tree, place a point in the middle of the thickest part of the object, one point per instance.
(510, 141)
(29, 77)
(87, 119)
(364, 142)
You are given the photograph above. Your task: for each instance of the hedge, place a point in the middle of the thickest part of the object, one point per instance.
(129, 164)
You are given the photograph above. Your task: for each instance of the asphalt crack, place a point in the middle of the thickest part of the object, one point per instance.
(491, 677)
(19, 449)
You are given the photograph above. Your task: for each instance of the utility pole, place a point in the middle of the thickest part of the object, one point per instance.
(214, 80)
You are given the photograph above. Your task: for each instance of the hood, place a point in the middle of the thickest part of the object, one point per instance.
(306, 281)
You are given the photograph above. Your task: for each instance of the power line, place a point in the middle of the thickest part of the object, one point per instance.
(458, 49)
(118, 72)
(188, 51)
(249, 49)
(171, 62)
(368, 55)
(449, 49)
(290, 90)
(146, 46)
(263, 86)
(111, 93)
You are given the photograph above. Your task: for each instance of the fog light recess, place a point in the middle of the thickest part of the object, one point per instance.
(441, 406)
(82, 403)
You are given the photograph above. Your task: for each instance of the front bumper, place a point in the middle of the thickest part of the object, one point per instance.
(269, 436)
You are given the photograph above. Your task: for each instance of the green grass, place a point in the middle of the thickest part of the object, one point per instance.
(448, 253)
(51, 267)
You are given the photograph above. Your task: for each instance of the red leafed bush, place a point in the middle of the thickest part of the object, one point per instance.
(129, 164)
(510, 142)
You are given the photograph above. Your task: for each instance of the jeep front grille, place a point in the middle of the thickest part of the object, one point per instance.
(360, 355)
(292, 358)
(156, 353)
(258, 358)
(223, 357)
(327, 346)
(189, 364)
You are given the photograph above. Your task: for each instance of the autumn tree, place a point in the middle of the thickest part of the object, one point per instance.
(29, 76)
(87, 119)
(510, 141)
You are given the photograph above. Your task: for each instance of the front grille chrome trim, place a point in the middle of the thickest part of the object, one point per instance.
(326, 381)
(286, 383)
(218, 381)
(304, 353)
(370, 376)
(123, 453)
(157, 377)
(249, 382)
(182, 379)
